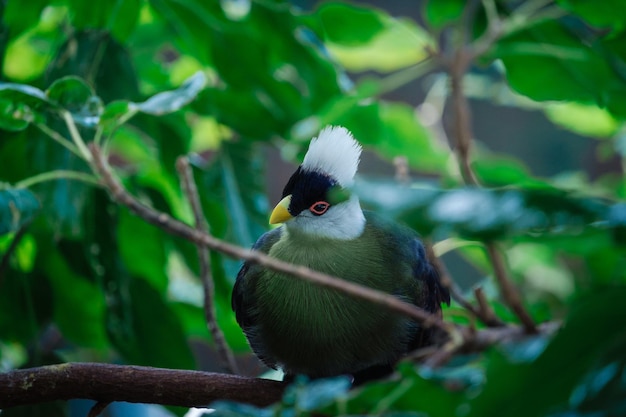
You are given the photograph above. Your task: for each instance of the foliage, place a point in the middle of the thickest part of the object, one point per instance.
(154, 79)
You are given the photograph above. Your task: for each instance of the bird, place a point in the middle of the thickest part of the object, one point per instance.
(304, 329)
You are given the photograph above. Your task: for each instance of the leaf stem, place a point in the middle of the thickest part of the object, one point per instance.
(57, 175)
(54, 135)
(405, 76)
(76, 137)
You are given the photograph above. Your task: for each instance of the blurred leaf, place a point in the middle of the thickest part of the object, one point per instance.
(363, 38)
(74, 95)
(349, 24)
(440, 13)
(486, 214)
(118, 112)
(118, 16)
(608, 13)
(22, 92)
(170, 101)
(17, 208)
(78, 303)
(25, 305)
(594, 327)
(584, 119)
(158, 337)
(18, 19)
(391, 129)
(13, 117)
(580, 71)
(141, 247)
(291, 78)
(412, 393)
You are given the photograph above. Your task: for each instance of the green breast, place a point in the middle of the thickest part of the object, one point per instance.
(318, 331)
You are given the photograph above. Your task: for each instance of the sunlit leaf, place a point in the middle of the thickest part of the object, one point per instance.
(363, 38)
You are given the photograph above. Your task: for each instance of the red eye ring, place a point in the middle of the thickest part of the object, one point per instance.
(319, 208)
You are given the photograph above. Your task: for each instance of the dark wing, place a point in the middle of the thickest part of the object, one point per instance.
(244, 301)
(434, 295)
(426, 272)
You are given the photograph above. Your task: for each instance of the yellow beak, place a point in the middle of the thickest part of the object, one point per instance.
(280, 214)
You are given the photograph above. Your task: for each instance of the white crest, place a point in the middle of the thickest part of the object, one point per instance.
(335, 153)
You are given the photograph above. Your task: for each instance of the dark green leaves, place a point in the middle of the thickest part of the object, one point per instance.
(585, 349)
(17, 207)
(567, 64)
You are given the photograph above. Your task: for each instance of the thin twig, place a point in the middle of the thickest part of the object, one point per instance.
(98, 408)
(455, 291)
(490, 318)
(58, 174)
(191, 191)
(177, 228)
(462, 59)
(509, 292)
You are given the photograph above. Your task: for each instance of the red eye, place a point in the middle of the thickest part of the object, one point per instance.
(319, 208)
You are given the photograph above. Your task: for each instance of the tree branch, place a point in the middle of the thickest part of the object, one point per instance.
(177, 228)
(462, 59)
(106, 383)
(136, 384)
(191, 191)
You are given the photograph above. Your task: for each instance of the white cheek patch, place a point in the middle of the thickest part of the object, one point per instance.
(343, 221)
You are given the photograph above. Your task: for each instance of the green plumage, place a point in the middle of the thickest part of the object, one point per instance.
(320, 332)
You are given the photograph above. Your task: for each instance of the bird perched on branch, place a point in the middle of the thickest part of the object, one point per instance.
(306, 329)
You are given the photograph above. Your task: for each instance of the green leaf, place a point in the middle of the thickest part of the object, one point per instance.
(141, 247)
(486, 214)
(364, 38)
(564, 364)
(607, 13)
(73, 94)
(580, 69)
(79, 307)
(13, 117)
(23, 93)
(584, 119)
(411, 393)
(118, 112)
(440, 13)
(158, 336)
(348, 24)
(390, 129)
(17, 207)
(171, 101)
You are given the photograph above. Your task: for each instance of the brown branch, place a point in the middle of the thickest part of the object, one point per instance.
(105, 383)
(136, 384)
(455, 291)
(191, 191)
(177, 228)
(462, 59)
(507, 289)
(490, 318)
